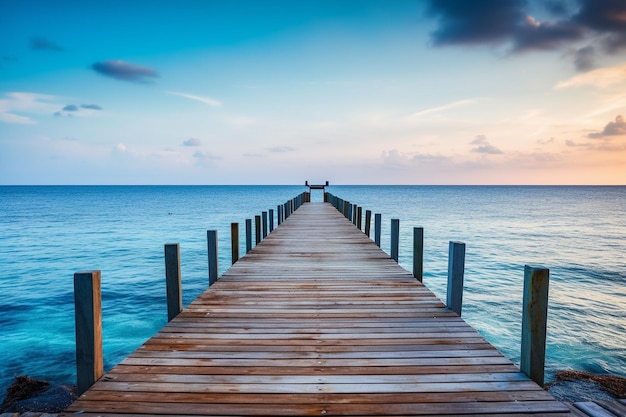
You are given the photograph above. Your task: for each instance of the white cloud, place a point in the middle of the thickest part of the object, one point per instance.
(443, 108)
(18, 107)
(601, 78)
(206, 100)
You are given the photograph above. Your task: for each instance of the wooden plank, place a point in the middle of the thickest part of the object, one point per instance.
(316, 320)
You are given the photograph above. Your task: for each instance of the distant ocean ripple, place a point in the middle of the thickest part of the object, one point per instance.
(48, 233)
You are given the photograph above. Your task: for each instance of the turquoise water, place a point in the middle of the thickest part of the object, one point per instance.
(48, 233)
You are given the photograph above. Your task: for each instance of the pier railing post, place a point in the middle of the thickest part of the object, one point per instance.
(418, 253)
(377, 228)
(271, 218)
(264, 223)
(456, 270)
(257, 228)
(248, 235)
(234, 241)
(534, 321)
(173, 280)
(211, 236)
(88, 316)
(353, 211)
(359, 218)
(368, 221)
(395, 238)
(345, 208)
(279, 214)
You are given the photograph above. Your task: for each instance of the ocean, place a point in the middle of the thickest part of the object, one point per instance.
(47, 233)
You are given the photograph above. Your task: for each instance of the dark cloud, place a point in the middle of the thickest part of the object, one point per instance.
(545, 35)
(192, 142)
(41, 44)
(477, 21)
(485, 147)
(91, 107)
(616, 128)
(125, 71)
(70, 107)
(555, 7)
(600, 23)
(585, 58)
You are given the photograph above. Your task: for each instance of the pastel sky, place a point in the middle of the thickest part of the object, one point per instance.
(279, 92)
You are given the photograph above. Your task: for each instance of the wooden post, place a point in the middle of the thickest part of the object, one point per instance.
(395, 238)
(257, 228)
(418, 253)
(534, 321)
(368, 221)
(88, 317)
(211, 236)
(279, 214)
(456, 270)
(234, 239)
(264, 223)
(359, 218)
(173, 280)
(248, 235)
(354, 210)
(377, 228)
(271, 215)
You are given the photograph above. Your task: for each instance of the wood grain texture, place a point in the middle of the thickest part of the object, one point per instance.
(316, 320)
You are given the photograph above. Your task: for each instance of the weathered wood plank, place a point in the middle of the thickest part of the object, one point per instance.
(316, 320)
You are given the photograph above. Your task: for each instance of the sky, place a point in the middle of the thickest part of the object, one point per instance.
(279, 92)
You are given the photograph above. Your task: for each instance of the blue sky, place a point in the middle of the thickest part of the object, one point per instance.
(278, 92)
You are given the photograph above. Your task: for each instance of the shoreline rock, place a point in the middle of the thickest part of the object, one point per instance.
(31, 395)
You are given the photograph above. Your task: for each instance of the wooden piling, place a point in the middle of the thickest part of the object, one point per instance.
(234, 241)
(456, 270)
(534, 321)
(257, 228)
(88, 317)
(173, 280)
(377, 228)
(212, 252)
(279, 214)
(359, 218)
(264, 223)
(368, 221)
(395, 238)
(418, 253)
(248, 235)
(271, 219)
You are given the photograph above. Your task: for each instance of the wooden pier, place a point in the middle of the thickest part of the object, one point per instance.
(316, 320)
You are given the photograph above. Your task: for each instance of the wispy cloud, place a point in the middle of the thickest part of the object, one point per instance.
(280, 149)
(205, 100)
(72, 109)
(125, 71)
(41, 44)
(601, 78)
(91, 107)
(20, 107)
(443, 108)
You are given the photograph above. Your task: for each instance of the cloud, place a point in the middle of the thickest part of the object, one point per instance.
(205, 158)
(192, 142)
(19, 107)
(485, 147)
(475, 22)
(125, 71)
(91, 107)
(443, 108)
(601, 77)
(206, 100)
(70, 107)
(532, 34)
(616, 128)
(601, 23)
(42, 44)
(280, 149)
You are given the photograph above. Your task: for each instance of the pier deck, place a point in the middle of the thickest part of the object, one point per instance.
(316, 320)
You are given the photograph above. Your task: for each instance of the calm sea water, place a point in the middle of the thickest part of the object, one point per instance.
(48, 233)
